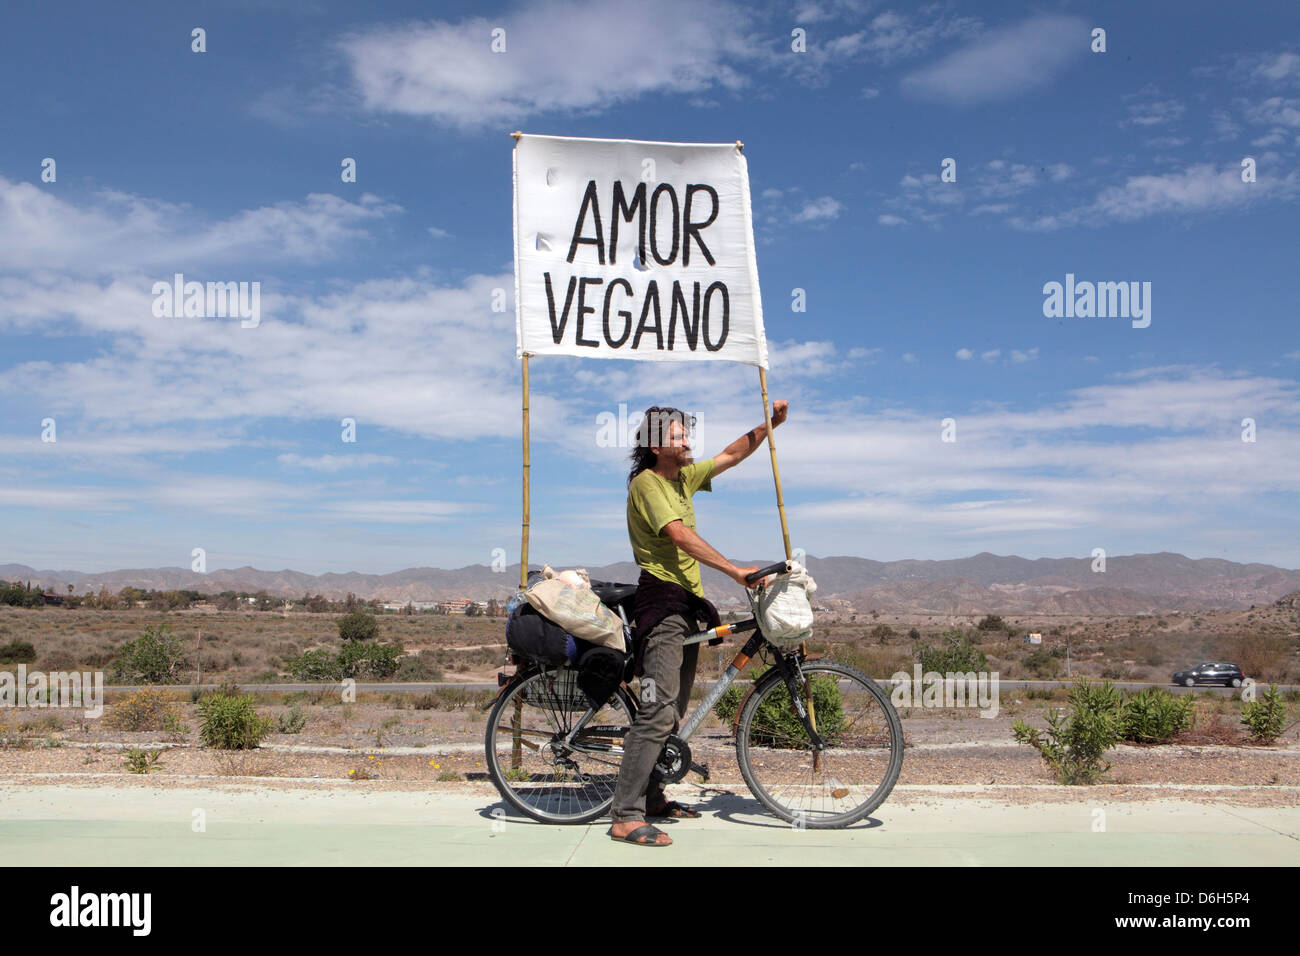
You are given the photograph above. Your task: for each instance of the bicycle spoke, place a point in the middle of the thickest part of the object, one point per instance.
(855, 771)
(550, 780)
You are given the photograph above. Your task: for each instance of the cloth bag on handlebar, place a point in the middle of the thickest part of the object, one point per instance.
(569, 601)
(787, 613)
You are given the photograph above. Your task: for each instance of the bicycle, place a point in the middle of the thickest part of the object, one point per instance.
(818, 743)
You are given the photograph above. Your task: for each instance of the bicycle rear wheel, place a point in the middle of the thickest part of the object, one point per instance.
(833, 787)
(541, 768)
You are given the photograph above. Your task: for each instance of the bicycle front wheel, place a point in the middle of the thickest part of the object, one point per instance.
(539, 764)
(833, 787)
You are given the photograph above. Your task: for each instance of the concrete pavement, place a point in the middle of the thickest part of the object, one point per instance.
(251, 824)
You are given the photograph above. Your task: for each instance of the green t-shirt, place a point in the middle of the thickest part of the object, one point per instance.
(653, 502)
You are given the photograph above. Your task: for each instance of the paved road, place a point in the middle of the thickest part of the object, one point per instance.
(256, 825)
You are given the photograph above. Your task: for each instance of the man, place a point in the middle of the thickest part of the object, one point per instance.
(669, 602)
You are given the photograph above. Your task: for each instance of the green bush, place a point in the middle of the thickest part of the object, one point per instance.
(1072, 747)
(139, 760)
(418, 669)
(368, 661)
(992, 622)
(153, 658)
(777, 725)
(318, 665)
(231, 723)
(1155, 716)
(358, 626)
(1043, 663)
(17, 652)
(956, 654)
(1265, 718)
(291, 721)
(143, 710)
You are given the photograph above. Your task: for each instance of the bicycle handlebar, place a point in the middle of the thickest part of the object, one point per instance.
(781, 567)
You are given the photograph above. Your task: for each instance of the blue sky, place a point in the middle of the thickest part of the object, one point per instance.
(924, 298)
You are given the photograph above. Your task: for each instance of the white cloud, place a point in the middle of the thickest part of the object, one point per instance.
(1003, 63)
(448, 71)
(1284, 66)
(1150, 109)
(990, 355)
(334, 463)
(1026, 356)
(1197, 188)
(965, 354)
(817, 209)
(1276, 111)
(118, 231)
(891, 220)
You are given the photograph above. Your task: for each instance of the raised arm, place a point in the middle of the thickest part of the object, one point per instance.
(744, 446)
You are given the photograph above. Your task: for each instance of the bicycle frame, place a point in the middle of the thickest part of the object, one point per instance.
(751, 647)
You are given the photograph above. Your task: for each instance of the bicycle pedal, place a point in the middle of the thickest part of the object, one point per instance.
(702, 769)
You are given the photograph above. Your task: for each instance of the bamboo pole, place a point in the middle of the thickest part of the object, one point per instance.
(776, 471)
(523, 547)
(785, 539)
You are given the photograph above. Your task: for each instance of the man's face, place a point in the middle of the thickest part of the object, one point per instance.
(676, 447)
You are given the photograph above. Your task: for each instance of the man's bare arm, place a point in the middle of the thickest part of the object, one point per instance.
(744, 446)
(703, 552)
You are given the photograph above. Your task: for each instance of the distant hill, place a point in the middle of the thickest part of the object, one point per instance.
(983, 583)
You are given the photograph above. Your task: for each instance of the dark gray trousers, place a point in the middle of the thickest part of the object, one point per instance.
(668, 673)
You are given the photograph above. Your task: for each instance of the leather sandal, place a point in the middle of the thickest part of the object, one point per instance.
(644, 835)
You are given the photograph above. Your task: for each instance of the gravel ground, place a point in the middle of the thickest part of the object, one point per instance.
(966, 757)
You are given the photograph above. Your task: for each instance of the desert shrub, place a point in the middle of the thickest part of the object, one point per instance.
(291, 721)
(358, 626)
(153, 658)
(1043, 663)
(1263, 657)
(882, 633)
(317, 665)
(143, 710)
(17, 652)
(1265, 718)
(231, 723)
(1155, 716)
(418, 669)
(992, 622)
(368, 661)
(914, 634)
(956, 653)
(1072, 746)
(139, 760)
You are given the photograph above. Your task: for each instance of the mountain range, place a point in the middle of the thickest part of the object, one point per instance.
(983, 583)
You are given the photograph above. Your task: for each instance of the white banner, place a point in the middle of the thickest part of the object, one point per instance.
(635, 250)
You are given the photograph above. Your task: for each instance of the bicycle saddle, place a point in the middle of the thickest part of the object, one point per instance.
(613, 594)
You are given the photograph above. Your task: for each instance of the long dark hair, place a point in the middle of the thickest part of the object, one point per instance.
(653, 430)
